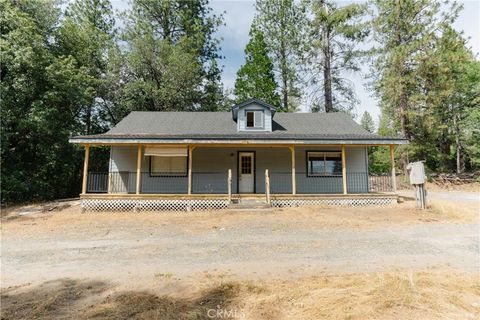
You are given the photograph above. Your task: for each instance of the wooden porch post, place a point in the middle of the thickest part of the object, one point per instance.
(139, 168)
(85, 169)
(392, 164)
(190, 153)
(294, 181)
(344, 171)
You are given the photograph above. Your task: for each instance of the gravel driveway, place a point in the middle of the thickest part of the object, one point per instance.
(447, 195)
(251, 248)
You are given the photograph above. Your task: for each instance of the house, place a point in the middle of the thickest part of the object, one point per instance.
(192, 160)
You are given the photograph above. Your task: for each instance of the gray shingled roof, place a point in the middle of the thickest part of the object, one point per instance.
(220, 125)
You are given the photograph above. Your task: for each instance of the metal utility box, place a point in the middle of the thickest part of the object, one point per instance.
(417, 172)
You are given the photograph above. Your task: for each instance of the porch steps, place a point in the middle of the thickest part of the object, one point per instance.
(249, 204)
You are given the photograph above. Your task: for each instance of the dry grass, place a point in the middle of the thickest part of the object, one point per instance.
(467, 187)
(454, 211)
(276, 219)
(394, 295)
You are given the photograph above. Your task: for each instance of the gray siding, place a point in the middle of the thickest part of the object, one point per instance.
(357, 170)
(241, 118)
(210, 170)
(357, 176)
(123, 165)
(306, 184)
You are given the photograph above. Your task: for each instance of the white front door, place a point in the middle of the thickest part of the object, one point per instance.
(246, 169)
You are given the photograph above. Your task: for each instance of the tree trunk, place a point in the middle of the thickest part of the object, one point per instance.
(327, 69)
(327, 76)
(404, 122)
(284, 73)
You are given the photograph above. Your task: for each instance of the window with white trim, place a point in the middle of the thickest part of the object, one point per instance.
(168, 166)
(324, 163)
(254, 119)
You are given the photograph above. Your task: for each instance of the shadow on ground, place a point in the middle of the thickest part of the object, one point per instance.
(74, 299)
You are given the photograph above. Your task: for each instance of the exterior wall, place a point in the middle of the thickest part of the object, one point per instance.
(210, 169)
(241, 118)
(123, 165)
(307, 184)
(357, 169)
(357, 175)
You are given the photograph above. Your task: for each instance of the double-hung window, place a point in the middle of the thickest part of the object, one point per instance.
(254, 119)
(324, 163)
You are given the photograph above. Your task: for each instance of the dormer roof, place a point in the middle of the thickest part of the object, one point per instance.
(236, 107)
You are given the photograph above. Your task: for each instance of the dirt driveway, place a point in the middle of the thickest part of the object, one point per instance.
(132, 248)
(298, 263)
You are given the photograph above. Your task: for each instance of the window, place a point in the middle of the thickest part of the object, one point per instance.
(168, 166)
(246, 164)
(254, 119)
(324, 163)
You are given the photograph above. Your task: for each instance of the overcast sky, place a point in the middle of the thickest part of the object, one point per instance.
(238, 15)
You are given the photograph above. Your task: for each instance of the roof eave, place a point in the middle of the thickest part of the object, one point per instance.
(116, 140)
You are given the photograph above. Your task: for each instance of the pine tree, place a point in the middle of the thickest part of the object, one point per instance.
(282, 23)
(334, 33)
(404, 31)
(451, 88)
(87, 34)
(170, 56)
(255, 79)
(367, 122)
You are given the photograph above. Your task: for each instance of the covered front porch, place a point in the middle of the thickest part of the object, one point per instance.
(231, 171)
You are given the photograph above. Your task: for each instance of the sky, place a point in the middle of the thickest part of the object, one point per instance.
(238, 15)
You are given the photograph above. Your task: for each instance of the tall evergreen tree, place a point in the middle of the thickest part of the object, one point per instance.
(335, 33)
(404, 31)
(171, 56)
(451, 88)
(282, 23)
(255, 79)
(41, 93)
(367, 122)
(87, 34)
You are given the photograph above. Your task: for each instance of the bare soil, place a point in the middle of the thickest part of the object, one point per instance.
(299, 263)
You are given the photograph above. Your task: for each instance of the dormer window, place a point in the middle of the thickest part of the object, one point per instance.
(253, 115)
(254, 119)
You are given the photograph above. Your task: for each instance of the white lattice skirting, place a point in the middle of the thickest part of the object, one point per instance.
(152, 205)
(217, 204)
(359, 202)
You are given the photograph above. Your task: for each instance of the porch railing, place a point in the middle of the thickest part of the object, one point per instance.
(312, 184)
(221, 183)
(280, 182)
(210, 182)
(97, 182)
(161, 182)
